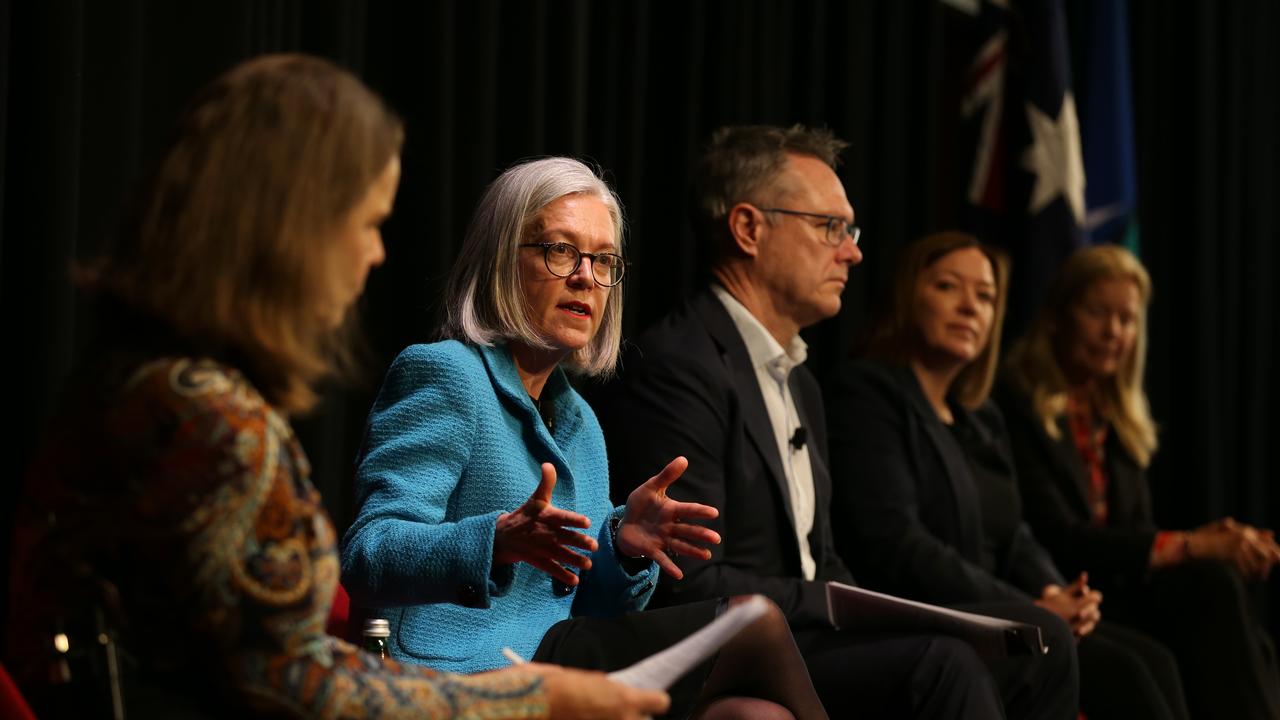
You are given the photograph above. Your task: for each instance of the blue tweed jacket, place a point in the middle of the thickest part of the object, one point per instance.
(454, 441)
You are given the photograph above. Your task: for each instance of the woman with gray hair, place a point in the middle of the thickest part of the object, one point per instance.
(460, 544)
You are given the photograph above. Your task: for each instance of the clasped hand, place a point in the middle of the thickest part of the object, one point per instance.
(1076, 603)
(1251, 551)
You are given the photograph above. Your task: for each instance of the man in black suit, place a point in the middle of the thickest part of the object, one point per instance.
(721, 382)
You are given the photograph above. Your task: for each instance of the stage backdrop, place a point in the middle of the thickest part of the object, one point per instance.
(89, 92)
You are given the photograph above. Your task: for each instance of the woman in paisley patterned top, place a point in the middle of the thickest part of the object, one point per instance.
(172, 557)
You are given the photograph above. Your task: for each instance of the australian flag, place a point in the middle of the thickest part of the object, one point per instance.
(1106, 116)
(1024, 183)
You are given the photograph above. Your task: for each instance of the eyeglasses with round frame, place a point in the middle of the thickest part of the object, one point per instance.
(563, 260)
(837, 227)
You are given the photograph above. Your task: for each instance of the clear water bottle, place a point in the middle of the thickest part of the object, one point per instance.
(376, 633)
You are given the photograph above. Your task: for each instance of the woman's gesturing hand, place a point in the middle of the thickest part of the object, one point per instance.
(538, 533)
(654, 526)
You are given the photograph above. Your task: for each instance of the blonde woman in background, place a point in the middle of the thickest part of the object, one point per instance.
(1083, 438)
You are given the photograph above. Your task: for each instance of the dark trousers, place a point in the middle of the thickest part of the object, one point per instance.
(1122, 673)
(931, 676)
(1127, 675)
(898, 676)
(1031, 687)
(1203, 613)
(613, 643)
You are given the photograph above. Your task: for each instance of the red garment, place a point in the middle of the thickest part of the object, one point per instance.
(1090, 437)
(339, 622)
(12, 704)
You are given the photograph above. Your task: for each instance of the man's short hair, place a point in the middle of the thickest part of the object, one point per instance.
(742, 164)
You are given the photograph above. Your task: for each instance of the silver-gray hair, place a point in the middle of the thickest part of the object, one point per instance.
(484, 300)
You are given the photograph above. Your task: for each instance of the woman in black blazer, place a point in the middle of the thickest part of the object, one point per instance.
(1082, 436)
(924, 479)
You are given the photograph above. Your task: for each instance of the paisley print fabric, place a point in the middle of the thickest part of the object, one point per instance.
(177, 504)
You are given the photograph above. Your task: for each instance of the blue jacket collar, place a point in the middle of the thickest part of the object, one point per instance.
(558, 392)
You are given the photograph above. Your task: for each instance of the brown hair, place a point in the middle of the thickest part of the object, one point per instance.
(1033, 361)
(742, 163)
(228, 245)
(897, 335)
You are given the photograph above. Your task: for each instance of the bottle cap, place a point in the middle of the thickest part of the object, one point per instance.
(377, 627)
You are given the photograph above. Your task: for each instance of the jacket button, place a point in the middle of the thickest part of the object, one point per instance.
(560, 589)
(468, 596)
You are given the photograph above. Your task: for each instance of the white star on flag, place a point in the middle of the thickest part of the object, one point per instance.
(1055, 158)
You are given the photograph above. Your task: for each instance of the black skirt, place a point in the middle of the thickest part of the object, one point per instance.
(609, 644)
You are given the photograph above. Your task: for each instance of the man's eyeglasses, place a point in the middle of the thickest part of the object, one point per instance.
(563, 260)
(837, 227)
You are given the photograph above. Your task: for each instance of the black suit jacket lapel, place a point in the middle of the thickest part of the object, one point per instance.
(818, 467)
(733, 352)
(954, 464)
(821, 475)
(1126, 502)
(1068, 460)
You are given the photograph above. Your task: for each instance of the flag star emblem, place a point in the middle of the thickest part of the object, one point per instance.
(1055, 159)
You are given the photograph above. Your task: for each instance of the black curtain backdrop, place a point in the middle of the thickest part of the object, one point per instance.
(90, 90)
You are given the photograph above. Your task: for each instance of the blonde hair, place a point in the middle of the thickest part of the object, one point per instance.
(484, 300)
(897, 335)
(231, 245)
(1034, 365)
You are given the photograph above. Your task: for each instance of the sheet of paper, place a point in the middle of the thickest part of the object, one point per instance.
(860, 610)
(660, 670)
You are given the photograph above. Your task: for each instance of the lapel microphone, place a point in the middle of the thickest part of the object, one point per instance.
(797, 439)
